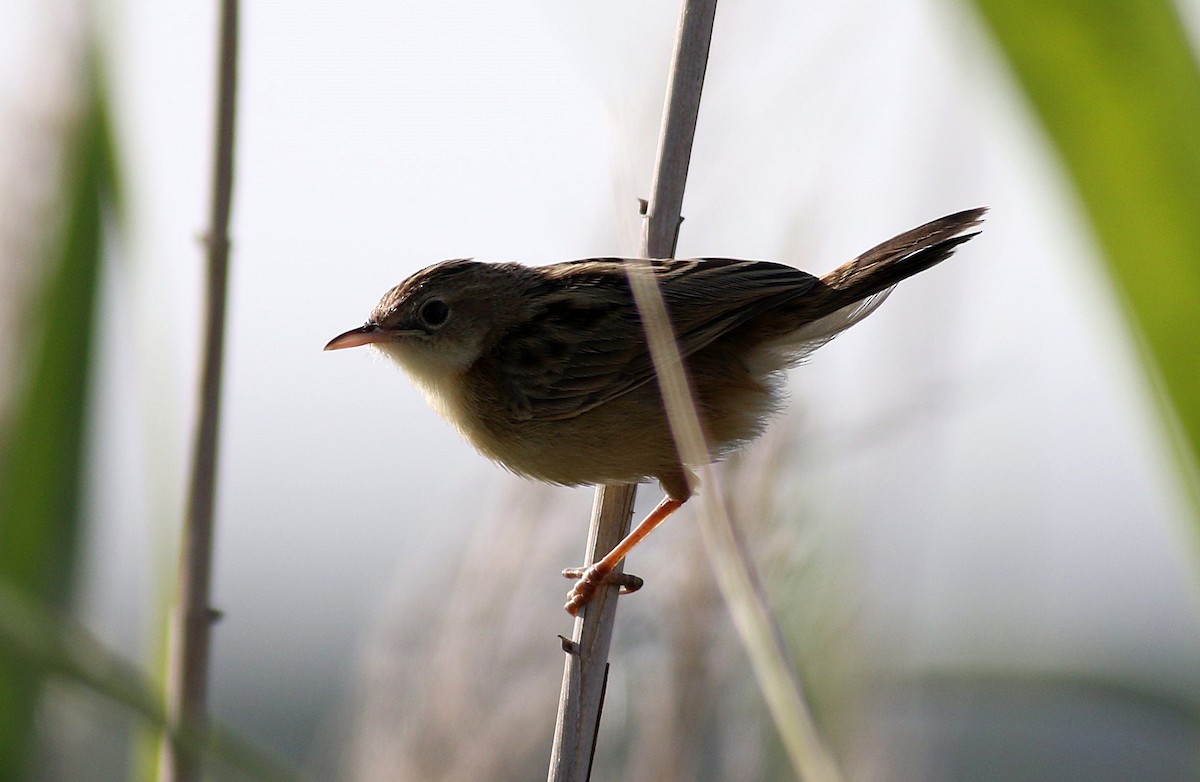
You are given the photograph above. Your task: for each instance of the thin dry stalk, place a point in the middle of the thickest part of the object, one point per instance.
(187, 665)
(585, 668)
(731, 562)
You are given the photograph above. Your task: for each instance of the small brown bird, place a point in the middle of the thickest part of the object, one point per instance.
(546, 369)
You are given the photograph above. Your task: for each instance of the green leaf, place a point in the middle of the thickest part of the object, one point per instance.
(41, 452)
(1116, 86)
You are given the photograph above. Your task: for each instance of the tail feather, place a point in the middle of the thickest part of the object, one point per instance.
(854, 290)
(895, 260)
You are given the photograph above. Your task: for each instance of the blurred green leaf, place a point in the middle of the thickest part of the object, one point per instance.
(1116, 85)
(41, 467)
(41, 454)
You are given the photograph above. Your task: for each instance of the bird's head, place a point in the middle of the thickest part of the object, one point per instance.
(441, 320)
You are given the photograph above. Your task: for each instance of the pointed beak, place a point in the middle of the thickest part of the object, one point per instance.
(363, 335)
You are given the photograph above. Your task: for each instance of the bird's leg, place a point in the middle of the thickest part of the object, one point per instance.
(591, 578)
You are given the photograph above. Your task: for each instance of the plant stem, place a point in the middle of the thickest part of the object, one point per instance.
(187, 671)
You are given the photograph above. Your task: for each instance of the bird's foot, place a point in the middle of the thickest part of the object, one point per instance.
(592, 578)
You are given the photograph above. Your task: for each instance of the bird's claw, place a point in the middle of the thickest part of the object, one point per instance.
(590, 579)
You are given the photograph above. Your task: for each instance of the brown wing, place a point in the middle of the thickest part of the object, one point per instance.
(586, 345)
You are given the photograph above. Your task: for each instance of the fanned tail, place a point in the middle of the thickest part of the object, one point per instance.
(854, 290)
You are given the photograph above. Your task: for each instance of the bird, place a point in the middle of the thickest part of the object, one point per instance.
(546, 369)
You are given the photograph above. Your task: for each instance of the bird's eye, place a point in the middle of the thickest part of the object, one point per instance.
(434, 312)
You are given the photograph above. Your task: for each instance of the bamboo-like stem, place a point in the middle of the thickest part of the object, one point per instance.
(187, 665)
(585, 669)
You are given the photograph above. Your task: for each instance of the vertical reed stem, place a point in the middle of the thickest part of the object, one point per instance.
(187, 665)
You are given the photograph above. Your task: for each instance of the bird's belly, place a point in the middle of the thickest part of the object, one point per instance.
(626, 440)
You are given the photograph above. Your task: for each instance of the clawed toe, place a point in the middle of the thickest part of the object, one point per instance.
(590, 579)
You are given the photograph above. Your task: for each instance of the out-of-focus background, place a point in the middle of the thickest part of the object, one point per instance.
(974, 520)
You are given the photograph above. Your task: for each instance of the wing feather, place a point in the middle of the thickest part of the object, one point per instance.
(585, 345)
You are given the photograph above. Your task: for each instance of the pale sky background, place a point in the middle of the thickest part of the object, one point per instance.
(989, 439)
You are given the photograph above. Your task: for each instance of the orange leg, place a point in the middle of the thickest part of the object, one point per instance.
(591, 578)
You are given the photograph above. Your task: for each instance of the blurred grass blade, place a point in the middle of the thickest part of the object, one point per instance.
(740, 586)
(1116, 85)
(41, 452)
(48, 644)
